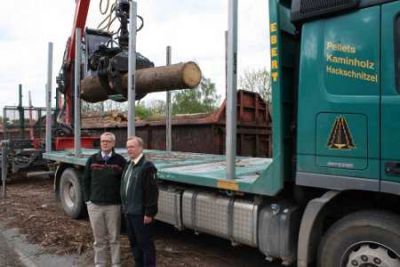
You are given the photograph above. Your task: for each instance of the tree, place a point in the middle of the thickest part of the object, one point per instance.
(114, 105)
(257, 81)
(158, 108)
(141, 111)
(200, 100)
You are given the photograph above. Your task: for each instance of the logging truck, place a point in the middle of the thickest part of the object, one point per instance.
(330, 193)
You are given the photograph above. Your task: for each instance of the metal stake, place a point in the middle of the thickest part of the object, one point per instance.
(4, 163)
(48, 98)
(168, 123)
(231, 92)
(132, 68)
(77, 98)
(21, 114)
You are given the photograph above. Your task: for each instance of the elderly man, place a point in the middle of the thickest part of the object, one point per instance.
(139, 194)
(101, 185)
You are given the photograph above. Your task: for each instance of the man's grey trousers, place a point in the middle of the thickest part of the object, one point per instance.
(106, 222)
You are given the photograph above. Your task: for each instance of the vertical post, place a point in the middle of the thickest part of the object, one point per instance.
(20, 95)
(77, 98)
(48, 98)
(168, 122)
(231, 92)
(57, 110)
(21, 113)
(132, 68)
(4, 163)
(226, 64)
(30, 116)
(5, 126)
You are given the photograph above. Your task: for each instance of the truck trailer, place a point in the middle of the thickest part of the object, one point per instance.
(330, 194)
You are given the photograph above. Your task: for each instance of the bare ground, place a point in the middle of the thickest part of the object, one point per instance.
(31, 207)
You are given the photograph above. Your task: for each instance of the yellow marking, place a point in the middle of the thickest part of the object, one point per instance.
(344, 48)
(351, 61)
(274, 52)
(359, 75)
(274, 64)
(228, 184)
(340, 146)
(274, 27)
(274, 39)
(274, 76)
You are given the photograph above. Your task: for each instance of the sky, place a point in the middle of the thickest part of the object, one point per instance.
(194, 30)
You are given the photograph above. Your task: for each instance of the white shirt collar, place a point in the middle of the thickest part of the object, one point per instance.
(136, 160)
(103, 154)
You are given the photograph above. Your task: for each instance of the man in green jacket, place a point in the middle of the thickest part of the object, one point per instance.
(139, 195)
(101, 191)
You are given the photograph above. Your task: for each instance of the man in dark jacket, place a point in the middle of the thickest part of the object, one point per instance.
(139, 194)
(101, 192)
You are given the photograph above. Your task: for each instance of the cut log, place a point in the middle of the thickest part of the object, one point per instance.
(166, 78)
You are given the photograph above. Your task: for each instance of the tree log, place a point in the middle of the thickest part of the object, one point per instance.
(166, 78)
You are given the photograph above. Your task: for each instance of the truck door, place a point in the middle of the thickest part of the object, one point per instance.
(390, 100)
(339, 102)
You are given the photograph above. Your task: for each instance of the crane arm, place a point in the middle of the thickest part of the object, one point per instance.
(81, 11)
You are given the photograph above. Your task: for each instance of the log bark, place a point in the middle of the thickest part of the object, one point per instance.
(165, 78)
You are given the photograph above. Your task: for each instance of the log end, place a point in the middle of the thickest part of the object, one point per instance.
(191, 74)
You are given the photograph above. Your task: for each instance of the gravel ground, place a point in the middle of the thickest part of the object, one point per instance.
(31, 208)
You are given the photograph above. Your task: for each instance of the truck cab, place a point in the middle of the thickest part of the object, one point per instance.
(335, 76)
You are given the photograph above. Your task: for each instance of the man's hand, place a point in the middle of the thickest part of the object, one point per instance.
(147, 219)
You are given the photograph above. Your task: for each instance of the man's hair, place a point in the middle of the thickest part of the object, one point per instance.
(110, 135)
(138, 139)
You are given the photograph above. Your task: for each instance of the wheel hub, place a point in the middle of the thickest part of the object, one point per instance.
(373, 256)
(69, 195)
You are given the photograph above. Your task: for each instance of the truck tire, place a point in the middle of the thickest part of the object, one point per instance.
(71, 194)
(364, 238)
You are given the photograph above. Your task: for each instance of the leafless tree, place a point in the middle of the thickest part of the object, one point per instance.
(259, 81)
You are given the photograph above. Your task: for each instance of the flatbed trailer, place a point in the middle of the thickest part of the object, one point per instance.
(199, 169)
(230, 209)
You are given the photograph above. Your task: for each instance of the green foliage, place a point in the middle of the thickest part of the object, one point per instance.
(142, 112)
(158, 108)
(257, 81)
(200, 100)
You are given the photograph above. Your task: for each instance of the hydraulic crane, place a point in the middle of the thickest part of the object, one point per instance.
(106, 58)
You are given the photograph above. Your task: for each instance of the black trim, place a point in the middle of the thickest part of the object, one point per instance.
(368, 3)
(335, 182)
(392, 168)
(297, 17)
(303, 10)
(390, 187)
(310, 233)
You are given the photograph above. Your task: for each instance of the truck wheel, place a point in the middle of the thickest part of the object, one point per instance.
(71, 194)
(362, 239)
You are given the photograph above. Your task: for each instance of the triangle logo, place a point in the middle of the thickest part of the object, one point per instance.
(340, 137)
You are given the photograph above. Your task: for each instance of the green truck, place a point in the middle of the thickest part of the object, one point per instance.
(330, 195)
